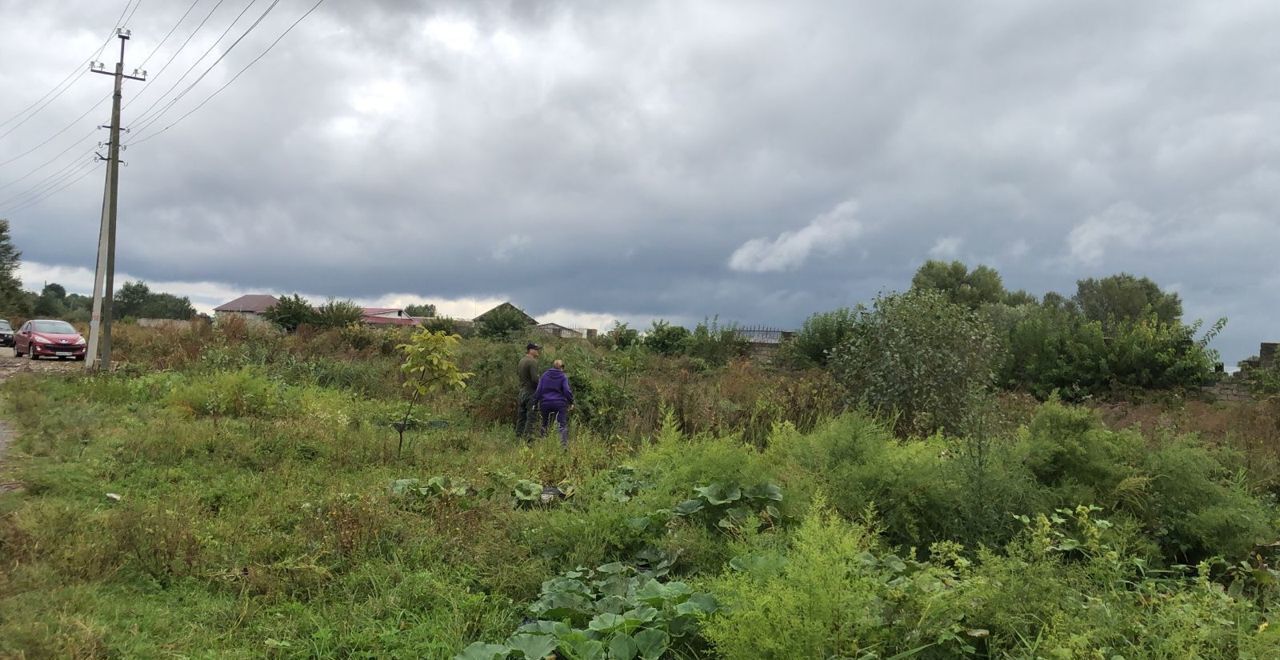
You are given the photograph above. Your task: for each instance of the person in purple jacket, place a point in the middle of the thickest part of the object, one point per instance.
(555, 398)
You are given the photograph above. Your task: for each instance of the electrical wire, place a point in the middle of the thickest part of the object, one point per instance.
(88, 168)
(254, 61)
(169, 34)
(105, 98)
(45, 180)
(62, 87)
(175, 54)
(147, 113)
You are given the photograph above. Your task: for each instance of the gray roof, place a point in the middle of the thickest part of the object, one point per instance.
(255, 303)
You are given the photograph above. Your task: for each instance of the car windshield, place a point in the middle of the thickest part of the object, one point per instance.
(53, 327)
(4, 325)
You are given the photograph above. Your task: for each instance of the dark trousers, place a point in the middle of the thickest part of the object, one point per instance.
(526, 413)
(561, 413)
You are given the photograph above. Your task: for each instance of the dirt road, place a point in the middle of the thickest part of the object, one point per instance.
(10, 364)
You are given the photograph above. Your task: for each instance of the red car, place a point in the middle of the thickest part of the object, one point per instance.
(37, 339)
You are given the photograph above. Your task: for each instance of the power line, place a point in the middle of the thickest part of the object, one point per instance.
(145, 113)
(59, 89)
(60, 131)
(105, 97)
(168, 34)
(45, 181)
(47, 162)
(233, 78)
(88, 168)
(176, 52)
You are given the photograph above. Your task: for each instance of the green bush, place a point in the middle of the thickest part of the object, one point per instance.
(819, 337)
(920, 358)
(665, 339)
(835, 593)
(243, 393)
(291, 312)
(714, 345)
(338, 314)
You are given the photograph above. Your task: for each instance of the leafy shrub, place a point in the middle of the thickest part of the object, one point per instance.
(338, 314)
(1055, 349)
(818, 337)
(665, 339)
(291, 312)
(243, 393)
(612, 611)
(833, 594)
(921, 358)
(715, 345)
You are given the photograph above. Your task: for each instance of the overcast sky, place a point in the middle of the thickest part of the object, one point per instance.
(758, 161)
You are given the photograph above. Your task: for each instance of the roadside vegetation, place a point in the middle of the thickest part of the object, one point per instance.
(898, 483)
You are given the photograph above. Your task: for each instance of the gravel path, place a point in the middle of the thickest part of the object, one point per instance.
(10, 364)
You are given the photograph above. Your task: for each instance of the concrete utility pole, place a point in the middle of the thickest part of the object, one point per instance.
(98, 355)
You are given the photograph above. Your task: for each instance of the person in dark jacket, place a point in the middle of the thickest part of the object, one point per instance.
(527, 373)
(555, 398)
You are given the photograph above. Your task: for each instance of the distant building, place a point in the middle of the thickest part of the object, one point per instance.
(250, 306)
(557, 330)
(506, 305)
(387, 316)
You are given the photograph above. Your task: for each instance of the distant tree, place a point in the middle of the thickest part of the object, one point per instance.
(290, 312)
(78, 308)
(130, 300)
(1125, 298)
(51, 302)
(665, 339)
(136, 300)
(168, 306)
(820, 334)
(1020, 297)
(426, 310)
(502, 323)
(623, 335)
(338, 314)
(13, 300)
(959, 285)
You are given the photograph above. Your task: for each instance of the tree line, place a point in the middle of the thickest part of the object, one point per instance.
(134, 300)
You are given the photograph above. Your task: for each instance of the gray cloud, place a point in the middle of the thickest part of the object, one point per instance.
(618, 159)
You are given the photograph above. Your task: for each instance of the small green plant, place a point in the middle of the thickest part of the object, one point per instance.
(429, 367)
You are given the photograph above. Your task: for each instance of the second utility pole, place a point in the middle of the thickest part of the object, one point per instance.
(98, 355)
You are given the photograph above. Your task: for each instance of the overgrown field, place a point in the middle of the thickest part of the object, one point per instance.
(237, 493)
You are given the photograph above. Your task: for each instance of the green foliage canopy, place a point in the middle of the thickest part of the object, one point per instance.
(291, 312)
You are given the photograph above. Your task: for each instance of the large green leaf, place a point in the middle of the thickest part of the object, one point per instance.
(583, 649)
(623, 647)
(534, 647)
(718, 493)
(482, 651)
(765, 491)
(651, 643)
(689, 507)
(402, 486)
(606, 622)
(527, 491)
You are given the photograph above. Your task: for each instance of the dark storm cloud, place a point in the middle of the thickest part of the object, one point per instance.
(754, 160)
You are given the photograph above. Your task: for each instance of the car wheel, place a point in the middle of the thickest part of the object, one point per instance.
(32, 349)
